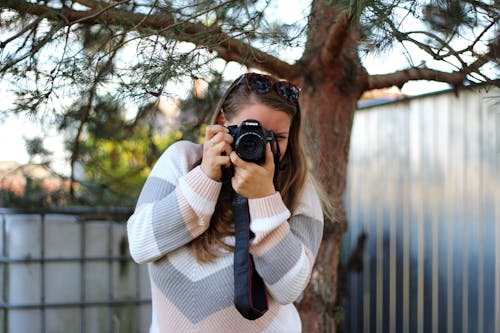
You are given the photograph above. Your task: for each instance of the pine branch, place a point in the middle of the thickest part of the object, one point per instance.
(228, 48)
(93, 3)
(98, 12)
(436, 53)
(484, 6)
(34, 49)
(399, 78)
(75, 152)
(25, 29)
(402, 37)
(337, 38)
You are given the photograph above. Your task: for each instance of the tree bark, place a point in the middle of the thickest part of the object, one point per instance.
(333, 80)
(329, 113)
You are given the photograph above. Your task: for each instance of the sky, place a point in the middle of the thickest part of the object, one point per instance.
(13, 129)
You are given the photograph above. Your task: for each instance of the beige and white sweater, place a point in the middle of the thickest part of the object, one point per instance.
(175, 206)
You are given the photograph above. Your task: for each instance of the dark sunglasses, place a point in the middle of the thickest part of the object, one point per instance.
(262, 84)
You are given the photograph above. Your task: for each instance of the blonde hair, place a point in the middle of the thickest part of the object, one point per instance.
(291, 173)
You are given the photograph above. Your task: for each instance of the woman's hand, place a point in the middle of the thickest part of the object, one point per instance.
(253, 180)
(216, 150)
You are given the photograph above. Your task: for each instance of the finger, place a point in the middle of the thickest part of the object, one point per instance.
(228, 138)
(212, 130)
(269, 163)
(234, 184)
(235, 159)
(218, 137)
(209, 132)
(227, 150)
(220, 147)
(222, 160)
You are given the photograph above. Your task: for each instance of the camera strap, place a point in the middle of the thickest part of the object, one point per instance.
(250, 296)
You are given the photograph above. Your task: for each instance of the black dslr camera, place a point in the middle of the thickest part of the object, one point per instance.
(250, 140)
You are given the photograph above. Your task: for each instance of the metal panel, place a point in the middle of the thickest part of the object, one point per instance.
(423, 182)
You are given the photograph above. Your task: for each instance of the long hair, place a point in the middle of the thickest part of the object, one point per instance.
(291, 172)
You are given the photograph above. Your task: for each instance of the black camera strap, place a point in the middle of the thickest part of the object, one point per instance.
(249, 290)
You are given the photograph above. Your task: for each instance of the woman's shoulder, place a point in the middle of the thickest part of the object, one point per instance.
(309, 203)
(184, 154)
(186, 147)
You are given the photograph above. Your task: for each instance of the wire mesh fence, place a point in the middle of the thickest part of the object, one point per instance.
(69, 270)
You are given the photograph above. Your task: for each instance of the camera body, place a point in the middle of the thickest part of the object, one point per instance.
(250, 140)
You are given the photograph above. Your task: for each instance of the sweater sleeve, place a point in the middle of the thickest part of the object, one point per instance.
(174, 207)
(285, 247)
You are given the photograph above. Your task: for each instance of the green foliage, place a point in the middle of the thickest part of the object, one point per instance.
(116, 153)
(115, 170)
(449, 17)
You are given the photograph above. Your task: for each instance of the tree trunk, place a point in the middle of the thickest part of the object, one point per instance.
(329, 116)
(332, 83)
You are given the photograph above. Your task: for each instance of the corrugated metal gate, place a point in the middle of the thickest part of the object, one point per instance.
(424, 184)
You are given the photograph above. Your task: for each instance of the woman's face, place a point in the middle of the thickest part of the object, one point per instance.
(271, 119)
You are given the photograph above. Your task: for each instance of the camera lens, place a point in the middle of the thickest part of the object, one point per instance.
(249, 146)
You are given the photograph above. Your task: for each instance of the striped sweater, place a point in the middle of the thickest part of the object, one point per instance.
(175, 206)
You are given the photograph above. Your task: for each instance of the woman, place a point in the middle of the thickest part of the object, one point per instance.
(183, 225)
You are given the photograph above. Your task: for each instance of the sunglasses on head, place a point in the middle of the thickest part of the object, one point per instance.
(262, 84)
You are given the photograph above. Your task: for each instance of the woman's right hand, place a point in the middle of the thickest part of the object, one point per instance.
(216, 150)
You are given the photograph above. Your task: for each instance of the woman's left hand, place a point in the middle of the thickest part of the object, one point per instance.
(253, 180)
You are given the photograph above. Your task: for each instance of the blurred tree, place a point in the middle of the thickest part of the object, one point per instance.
(35, 148)
(34, 194)
(115, 154)
(133, 50)
(115, 170)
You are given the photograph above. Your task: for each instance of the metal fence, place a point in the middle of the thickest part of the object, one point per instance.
(424, 184)
(70, 270)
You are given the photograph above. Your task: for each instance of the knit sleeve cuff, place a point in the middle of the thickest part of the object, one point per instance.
(200, 190)
(267, 213)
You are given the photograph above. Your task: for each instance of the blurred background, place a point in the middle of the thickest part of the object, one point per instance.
(402, 113)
